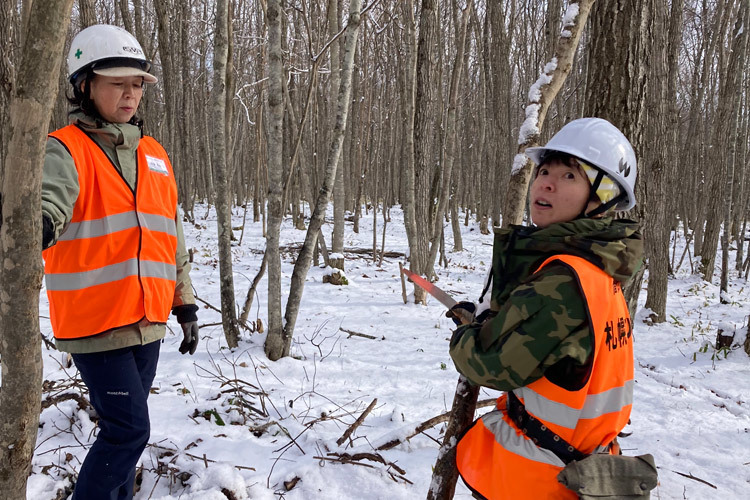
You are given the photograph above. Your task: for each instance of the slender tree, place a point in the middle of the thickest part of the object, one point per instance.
(31, 105)
(274, 345)
(219, 160)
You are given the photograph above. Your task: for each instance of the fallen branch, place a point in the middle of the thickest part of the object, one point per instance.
(356, 423)
(203, 458)
(349, 250)
(427, 424)
(350, 332)
(53, 401)
(356, 458)
(690, 476)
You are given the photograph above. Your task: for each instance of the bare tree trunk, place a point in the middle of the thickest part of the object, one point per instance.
(274, 345)
(339, 203)
(425, 106)
(445, 474)
(9, 28)
(20, 244)
(408, 182)
(721, 131)
(304, 259)
(734, 81)
(223, 202)
(450, 142)
(655, 158)
(86, 13)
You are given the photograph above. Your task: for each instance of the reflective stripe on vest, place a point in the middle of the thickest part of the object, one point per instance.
(496, 459)
(108, 274)
(596, 405)
(507, 436)
(114, 264)
(118, 222)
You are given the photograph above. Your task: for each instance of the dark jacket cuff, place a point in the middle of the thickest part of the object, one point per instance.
(48, 232)
(185, 313)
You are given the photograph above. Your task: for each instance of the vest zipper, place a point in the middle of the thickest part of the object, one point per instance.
(140, 234)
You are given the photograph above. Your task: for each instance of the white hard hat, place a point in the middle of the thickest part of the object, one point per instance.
(110, 51)
(601, 145)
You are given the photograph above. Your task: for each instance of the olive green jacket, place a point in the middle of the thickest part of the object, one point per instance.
(59, 194)
(538, 322)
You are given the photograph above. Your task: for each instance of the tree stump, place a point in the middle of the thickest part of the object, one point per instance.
(724, 341)
(337, 277)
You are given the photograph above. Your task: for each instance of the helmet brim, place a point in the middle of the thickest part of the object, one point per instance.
(120, 71)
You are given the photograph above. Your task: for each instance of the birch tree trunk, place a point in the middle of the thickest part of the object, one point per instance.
(20, 244)
(445, 474)
(274, 345)
(304, 259)
(337, 240)
(219, 157)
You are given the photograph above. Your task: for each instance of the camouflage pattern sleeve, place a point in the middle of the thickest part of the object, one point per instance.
(543, 321)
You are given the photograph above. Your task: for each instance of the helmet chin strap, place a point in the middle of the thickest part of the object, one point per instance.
(604, 206)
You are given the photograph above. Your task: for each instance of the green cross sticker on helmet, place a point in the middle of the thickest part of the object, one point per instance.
(78, 54)
(599, 144)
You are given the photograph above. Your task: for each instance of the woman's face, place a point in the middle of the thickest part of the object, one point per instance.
(559, 193)
(116, 97)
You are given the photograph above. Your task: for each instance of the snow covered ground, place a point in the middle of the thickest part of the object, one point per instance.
(209, 441)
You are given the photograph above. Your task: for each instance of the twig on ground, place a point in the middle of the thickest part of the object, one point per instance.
(351, 332)
(427, 424)
(690, 476)
(356, 423)
(356, 458)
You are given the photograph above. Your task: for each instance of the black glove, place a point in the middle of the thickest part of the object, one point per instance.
(462, 313)
(188, 320)
(190, 341)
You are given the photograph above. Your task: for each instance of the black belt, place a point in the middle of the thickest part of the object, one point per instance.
(540, 433)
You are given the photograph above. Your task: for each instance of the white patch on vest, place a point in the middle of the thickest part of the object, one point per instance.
(157, 165)
(118, 393)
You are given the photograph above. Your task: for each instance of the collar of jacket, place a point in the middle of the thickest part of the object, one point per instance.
(108, 135)
(615, 246)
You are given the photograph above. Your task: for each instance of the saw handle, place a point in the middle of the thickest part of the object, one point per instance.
(462, 313)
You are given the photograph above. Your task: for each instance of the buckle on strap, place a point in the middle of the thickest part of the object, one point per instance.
(540, 433)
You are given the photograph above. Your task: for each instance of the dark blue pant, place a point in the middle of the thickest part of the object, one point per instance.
(119, 382)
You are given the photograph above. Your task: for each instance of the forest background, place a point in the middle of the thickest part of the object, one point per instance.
(273, 106)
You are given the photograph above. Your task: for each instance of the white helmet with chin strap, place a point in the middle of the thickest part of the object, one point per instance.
(109, 51)
(599, 144)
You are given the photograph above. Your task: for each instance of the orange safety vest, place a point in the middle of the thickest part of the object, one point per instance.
(497, 460)
(115, 262)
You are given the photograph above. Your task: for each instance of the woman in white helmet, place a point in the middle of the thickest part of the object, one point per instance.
(115, 259)
(557, 336)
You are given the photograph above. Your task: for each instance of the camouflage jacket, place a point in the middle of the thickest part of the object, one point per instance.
(538, 323)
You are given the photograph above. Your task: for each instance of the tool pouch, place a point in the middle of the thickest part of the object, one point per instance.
(603, 476)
